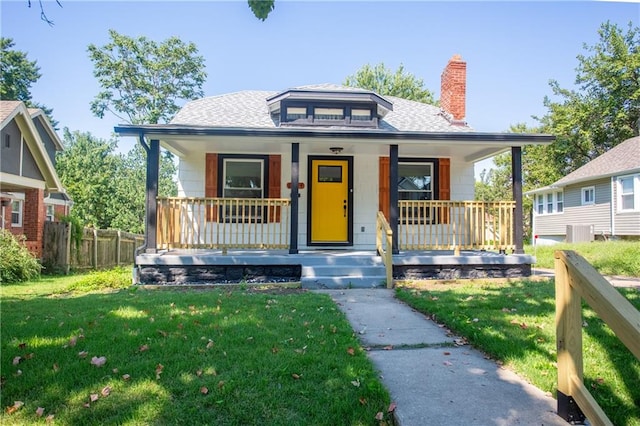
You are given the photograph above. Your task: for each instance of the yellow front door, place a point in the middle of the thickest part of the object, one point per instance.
(330, 209)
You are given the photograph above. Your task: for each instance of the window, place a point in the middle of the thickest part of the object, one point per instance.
(549, 203)
(360, 115)
(243, 178)
(588, 195)
(415, 183)
(328, 113)
(16, 213)
(51, 213)
(296, 113)
(7, 141)
(629, 190)
(559, 202)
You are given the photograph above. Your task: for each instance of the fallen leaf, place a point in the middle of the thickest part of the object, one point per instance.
(204, 390)
(143, 348)
(199, 373)
(351, 351)
(356, 383)
(388, 348)
(55, 367)
(379, 416)
(295, 376)
(115, 371)
(220, 384)
(392, 407)
(210, 344)
(29, 356)
(98, 361)
(39, 411)
(86, 405)
(15, 407)
(447, 353)
(274, 350)
(73, 341)
(163, 333)
(600, 380)
(19, 373)
(16, 360)
(49, 418)
(22, 345)
(94, 397)
(363, 400)
(159, 369)
(83, 354)
(106, 391)
(126, 377)
(447, 363)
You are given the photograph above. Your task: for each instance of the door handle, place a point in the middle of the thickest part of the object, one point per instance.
(344, 207)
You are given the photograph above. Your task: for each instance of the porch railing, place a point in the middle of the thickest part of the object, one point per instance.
(384, 246)
(451, 225)
(223, 223)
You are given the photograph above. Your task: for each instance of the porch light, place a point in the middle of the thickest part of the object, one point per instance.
(336, 149)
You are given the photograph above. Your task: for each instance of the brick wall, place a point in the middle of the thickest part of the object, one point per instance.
(33, 220)
(453, 89)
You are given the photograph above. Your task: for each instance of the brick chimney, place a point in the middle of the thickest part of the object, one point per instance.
(453, 88)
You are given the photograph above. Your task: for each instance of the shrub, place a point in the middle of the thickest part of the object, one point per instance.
(115, 278)
(17, 263)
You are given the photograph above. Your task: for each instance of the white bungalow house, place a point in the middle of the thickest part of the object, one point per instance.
(322, 170)
(599, 200)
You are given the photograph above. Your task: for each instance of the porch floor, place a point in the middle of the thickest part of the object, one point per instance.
(324, 268)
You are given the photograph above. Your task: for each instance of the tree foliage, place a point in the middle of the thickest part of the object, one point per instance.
(17, 74)
(384, 81)
(261, 8)
(142, 81)
(108, 188)
(605, 109)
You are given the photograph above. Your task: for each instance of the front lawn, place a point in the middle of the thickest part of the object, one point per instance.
(223, 357)
(514, 323)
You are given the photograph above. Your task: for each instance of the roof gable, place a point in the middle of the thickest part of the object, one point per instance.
(17, 110)
(621, 159)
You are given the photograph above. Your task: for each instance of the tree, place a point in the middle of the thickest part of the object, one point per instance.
(386, 82)
(88, 168)
(261, 8)
(17, 74)
(143, 80)
(606, 109)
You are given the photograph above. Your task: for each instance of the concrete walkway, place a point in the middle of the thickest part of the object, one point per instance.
(433, 377)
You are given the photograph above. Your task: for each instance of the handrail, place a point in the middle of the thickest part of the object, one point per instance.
(576, 279)
(384, 244)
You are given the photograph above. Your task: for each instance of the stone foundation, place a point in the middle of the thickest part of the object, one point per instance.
(218, 274)
(453, 272)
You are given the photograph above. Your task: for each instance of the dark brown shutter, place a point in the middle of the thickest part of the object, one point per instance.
(274, 185)
(211, 184)
(383, 187)
(444, 186)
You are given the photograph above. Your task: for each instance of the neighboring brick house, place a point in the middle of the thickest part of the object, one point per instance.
(30, 190)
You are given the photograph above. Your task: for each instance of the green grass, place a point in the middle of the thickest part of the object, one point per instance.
(223, 357)
(608, 257)
(514, 324)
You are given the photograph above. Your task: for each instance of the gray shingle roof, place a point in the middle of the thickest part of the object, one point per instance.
(623, 158)
(248, 109)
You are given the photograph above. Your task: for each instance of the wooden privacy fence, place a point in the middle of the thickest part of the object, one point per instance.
(98, 248)
(245, 223)
(576, 279)
(446, 225)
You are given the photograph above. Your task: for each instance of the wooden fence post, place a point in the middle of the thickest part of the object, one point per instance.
(569, 343)
(95, 249)
(118, 247)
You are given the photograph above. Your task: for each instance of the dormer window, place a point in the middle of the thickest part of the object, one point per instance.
(339, 107)
(328, 114)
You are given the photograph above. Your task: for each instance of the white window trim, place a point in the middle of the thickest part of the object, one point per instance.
(20, 212)
(50, 217)
(583, 190)
(243, 160)
(636, 193)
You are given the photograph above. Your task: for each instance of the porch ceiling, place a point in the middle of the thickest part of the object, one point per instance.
(466, 150)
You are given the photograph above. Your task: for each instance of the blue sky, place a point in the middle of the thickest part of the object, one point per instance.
(512, 48)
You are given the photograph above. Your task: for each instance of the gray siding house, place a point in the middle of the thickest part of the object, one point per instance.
(599, 200)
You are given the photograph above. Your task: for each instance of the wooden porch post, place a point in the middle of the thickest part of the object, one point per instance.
(518, 223)
(153, 170)
(393, 196)
(295, 179)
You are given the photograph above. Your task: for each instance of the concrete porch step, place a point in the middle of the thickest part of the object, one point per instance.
(332, 282)
(357, 272)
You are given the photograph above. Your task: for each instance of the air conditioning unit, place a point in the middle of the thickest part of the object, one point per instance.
(579, 233)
